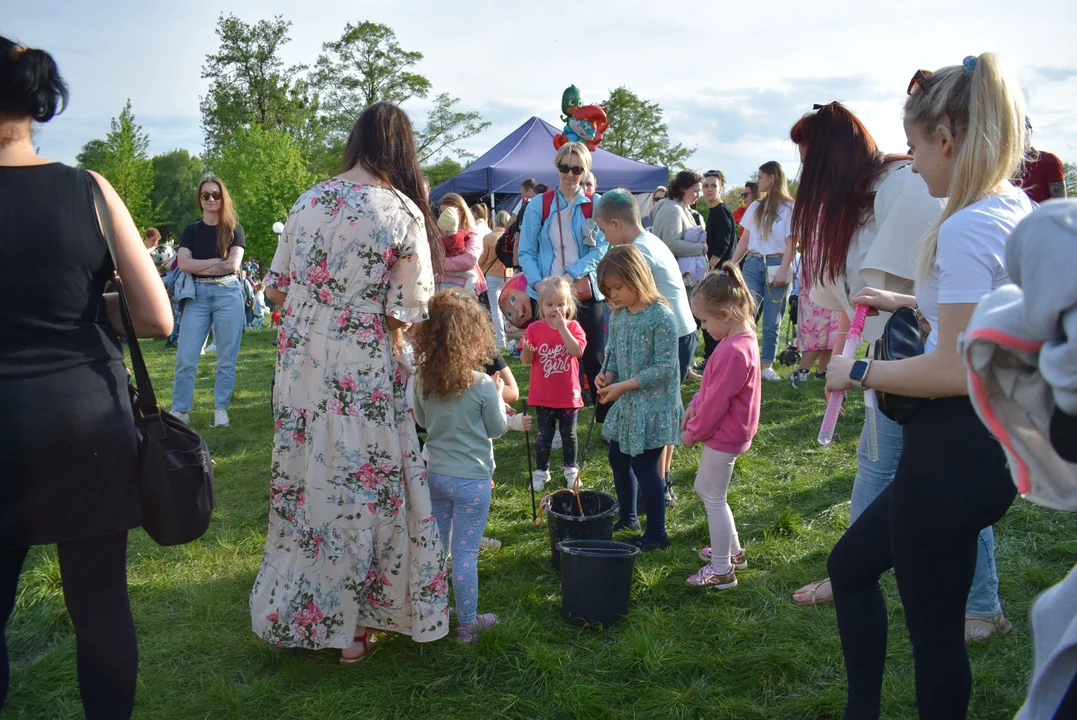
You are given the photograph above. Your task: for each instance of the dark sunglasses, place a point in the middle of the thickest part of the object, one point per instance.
(574, 169)
(211, 196)
(922, 80)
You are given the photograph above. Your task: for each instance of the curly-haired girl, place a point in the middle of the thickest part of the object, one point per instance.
(462, 409)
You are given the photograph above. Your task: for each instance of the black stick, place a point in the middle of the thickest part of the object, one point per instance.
(530, 472)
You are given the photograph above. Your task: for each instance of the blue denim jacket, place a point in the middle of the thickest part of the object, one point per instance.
(536, 246)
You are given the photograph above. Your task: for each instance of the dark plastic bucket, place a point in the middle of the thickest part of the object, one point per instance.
(596, 581)
(566, 523)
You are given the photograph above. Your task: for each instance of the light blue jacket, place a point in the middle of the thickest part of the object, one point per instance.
(537, 248)
(667, 279)
(184, 287)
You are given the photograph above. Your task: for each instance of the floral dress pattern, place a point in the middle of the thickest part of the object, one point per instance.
(644, 345)
(352, 539)
(817, 327)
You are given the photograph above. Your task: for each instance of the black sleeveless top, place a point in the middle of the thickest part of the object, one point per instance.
(67, 438)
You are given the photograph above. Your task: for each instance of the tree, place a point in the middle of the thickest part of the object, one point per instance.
(121, 158)
(366, 65)
(1071, 179)
(446, 126)
(265, 173)
(251, 85)
(175, 179)
(637, 131)
(441, 171)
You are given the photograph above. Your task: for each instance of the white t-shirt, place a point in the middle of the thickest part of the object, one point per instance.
(970, 261)
(572, 252)
(779, 231)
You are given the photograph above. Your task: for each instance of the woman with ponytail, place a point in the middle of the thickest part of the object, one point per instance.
(67, 433)
(965, 127)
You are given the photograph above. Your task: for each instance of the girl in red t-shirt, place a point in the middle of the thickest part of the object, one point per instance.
(552, 346)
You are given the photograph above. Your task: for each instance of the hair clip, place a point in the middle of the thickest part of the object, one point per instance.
(969, 63)
(817, 106)
(723, 272)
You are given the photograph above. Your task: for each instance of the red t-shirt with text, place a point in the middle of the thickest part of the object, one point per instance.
(555, 375)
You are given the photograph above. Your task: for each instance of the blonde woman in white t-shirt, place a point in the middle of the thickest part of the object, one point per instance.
(768, 242)
(965, 126)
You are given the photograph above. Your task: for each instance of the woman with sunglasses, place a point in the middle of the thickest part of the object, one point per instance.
(559, 238)
(211, 250)
(965, 127)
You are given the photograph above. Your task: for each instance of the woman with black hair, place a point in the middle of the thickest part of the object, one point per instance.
(67, 433)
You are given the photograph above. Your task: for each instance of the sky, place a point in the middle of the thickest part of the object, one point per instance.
(731, 78)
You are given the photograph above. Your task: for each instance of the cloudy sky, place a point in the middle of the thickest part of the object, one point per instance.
(731, 77)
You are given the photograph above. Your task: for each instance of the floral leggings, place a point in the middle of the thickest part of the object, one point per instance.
(461, 506)
(549, 421)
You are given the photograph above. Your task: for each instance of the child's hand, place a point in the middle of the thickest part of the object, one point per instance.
(603, 379)
(610, 393)
(685, 440)
(557, 321)
(689, 413)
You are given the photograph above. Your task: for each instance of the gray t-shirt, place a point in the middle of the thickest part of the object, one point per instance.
(459, 429)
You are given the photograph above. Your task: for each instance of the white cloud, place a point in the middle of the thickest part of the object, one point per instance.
(732, 78)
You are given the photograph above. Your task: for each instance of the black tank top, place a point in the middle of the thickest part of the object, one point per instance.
(54, 265)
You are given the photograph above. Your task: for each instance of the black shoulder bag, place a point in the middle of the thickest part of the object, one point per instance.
(175, 474)
(903, 337)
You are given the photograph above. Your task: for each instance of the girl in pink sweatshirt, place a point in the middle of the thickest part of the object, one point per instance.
(724, 414)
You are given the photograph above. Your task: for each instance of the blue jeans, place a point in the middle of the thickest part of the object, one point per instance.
(873, 477)
(461, 507)
(771, 299)
(686, 351)
(177, 313)
(214, 306)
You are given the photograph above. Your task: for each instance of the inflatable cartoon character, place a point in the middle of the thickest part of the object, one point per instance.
(570, 100)
(514, 303)
(586, 125)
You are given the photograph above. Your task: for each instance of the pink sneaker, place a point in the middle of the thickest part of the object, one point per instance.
(711, 578)
(739, 561)
(468, 633)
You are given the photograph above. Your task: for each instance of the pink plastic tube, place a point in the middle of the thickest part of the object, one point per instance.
(833, 406)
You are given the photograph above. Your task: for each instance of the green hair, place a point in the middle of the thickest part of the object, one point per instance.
(620, 204)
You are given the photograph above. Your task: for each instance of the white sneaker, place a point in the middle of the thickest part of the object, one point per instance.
(212, 347)
(557, 444)
(220, 418)
(539, 478)
(570, 477)
(769, 374)
(183, 417)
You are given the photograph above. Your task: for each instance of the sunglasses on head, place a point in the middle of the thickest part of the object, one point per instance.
(211, 195)
(566, 169)
(921, 80)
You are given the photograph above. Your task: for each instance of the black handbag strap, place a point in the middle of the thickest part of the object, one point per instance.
(147, 401)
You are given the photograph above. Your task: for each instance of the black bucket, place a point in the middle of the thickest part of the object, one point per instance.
(566, 523)
(596, 581)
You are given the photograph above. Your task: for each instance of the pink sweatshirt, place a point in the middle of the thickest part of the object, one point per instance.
(727, 404)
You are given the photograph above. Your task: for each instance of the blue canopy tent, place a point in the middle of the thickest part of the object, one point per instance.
(528, 153)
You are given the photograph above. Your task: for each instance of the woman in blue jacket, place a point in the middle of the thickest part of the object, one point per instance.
(559, 237)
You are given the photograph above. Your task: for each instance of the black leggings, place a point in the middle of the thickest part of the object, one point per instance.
(548, 421)
(951, 482)
(643, 468)
(94, 572)
(590, 317)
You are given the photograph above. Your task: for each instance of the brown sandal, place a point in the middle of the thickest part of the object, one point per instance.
(813, 598)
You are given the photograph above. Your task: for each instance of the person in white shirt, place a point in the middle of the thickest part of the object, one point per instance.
(768, 242)
(965, 127)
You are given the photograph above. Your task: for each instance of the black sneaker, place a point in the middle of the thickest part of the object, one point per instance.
(617, 526)
(670, 493)
(700, 366)
(799, 377)
(645, 543)
(820, 374)
(170, 345)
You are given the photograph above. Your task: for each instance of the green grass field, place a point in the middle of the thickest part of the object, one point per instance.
(681, 653)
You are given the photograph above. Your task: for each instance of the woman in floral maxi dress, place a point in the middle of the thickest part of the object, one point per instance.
(352, 541)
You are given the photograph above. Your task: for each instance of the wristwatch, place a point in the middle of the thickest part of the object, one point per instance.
(859, 371)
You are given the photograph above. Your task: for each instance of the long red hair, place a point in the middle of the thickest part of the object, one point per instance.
(836, 194)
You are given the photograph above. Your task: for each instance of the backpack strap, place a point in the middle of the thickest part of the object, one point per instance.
(547, 203)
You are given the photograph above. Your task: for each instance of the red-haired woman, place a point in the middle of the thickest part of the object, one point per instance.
(859, 214)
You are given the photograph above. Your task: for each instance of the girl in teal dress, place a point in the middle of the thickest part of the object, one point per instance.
(642, 376)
